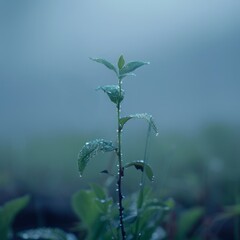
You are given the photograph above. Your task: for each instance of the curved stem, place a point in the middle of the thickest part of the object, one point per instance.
(120, 168)
(142, 183)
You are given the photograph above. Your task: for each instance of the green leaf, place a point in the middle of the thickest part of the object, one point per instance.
(121, 62)
(145, 116)
(8, 213)
(99, 191)
(104, 204)
(91, 149)
(187, 221)
(141, 165)
(229, 212)
(85, 207)
(130, 67)
(149, 220)
(144, 194)
(113, 92)
(46, 234)
(169, 204)
(106, 63)
(89, 210)
(102, 201)
(127, 75)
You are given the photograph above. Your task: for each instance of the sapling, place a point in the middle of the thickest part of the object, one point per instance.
(91, 148)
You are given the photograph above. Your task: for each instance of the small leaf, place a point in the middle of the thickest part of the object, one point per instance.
(145, 116)
(106, 63)
(141, 165)
(105, 171)
(8, 213)
(90, 149)
(46, 234)
(113, 92)
(126, 75)
(130, 67)
(121, 62)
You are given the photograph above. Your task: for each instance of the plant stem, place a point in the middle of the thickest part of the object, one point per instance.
(142, 183)
(120, 168)
(145, 158)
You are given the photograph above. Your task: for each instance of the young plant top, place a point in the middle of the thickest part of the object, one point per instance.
(92, 148)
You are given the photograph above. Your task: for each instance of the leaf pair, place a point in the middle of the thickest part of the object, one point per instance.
(123, 70)
(90, 149)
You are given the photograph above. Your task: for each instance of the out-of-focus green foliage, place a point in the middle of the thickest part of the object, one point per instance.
(98, 214)
(7, 214)
(93, 208)
(187, 220)
(46, 234)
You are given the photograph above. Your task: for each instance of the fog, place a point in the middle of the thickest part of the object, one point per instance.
(47, 82)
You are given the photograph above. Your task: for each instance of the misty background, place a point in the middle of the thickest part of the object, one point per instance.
(48, 81)
(49, 106)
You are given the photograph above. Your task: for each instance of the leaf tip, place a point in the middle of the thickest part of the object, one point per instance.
(121, 62)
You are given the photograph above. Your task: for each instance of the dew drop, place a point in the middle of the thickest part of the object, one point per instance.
(157, 134)
(140, 184)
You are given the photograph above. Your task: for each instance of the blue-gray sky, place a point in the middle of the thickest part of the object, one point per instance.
(47, 81)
